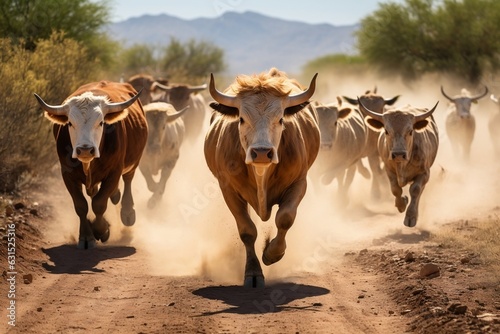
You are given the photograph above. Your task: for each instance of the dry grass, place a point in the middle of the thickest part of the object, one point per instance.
(480, 236)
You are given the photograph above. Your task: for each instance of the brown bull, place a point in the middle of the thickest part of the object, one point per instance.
(260, 145)
(377, 103)
(460, 123)
(182, 96)
(408, 148)
(343, 142)
(166, 133)
(100, 133)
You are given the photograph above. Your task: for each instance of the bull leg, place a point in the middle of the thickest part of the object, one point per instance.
(416, 190)
(248, 234)
(285, 217)
(397, 191)
(377, 175)
(148, 176)
(345, 182)
(100, 225)
(160, 188)
(127, 212)
(86, 238)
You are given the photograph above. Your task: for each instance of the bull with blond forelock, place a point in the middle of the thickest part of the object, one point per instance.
(262, 140)
(100, 132)
(408, 145)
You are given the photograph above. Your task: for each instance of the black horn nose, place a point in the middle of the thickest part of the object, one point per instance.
(262, 154)
(85, 151)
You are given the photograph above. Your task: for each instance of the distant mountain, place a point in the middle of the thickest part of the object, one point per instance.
(252, 42)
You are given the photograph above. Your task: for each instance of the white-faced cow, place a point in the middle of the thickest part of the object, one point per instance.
(343, 141)
(460, 123)
(100, 133)
(494, 125)
(166, 133)
(260, 145)
(377, 103)
(408, 147)
(182, 96)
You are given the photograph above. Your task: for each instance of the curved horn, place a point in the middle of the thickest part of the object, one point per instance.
(112, 107)
(375, 90)
(390, 102)
(297, 99)
(449, 98)
(55, 110)
(199, 88)
(480, 95)
(423, 116)
(369, 112)
(221, 98)
(173, 117)
(352, 101)
(156, 84)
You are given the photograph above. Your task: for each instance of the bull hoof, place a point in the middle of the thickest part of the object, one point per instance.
(104, 237)
(115, 198)
(128, 219)
(86, 243)
(254, 282)
(402, 203)
(269, 257)
(410, 221)
(152, 202)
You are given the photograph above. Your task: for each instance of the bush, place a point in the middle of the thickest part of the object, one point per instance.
(54, 70)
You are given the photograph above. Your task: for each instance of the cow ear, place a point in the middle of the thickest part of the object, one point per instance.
(343, 113)
(294, 109)
(223, 109)
(374, 124)
(57, 119)
(114, 117)
(420, 125)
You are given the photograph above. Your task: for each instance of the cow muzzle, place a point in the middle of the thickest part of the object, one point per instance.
(261, 155)
(399, 156)
(85, 153)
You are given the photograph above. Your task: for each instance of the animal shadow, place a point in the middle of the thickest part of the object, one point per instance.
(273, 298)
(404, 238)
(68, 259)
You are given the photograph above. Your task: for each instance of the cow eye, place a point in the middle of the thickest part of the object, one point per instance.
(411, 133)
(241, 120)
(281, 120)
(386, 132)
(69, 124)
(101, 123)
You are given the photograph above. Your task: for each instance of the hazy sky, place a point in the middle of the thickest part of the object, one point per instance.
(336, 12)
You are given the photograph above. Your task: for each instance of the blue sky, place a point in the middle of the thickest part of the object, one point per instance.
(335, 12)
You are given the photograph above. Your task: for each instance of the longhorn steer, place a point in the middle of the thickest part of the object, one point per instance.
(460, 123)
(262, 140)
(343, 142)
(408, 148)
(182, 96)
(100, 133)
(166, 132)
(377, 103)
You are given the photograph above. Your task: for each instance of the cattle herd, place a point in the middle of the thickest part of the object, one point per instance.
(265, 138)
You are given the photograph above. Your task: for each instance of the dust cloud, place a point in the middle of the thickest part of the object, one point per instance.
(192, 232)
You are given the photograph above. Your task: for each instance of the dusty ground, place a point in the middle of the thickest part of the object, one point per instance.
(373, 289)
(353, 269)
